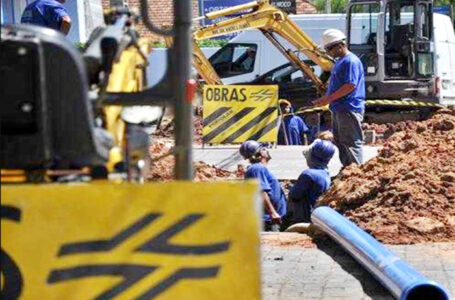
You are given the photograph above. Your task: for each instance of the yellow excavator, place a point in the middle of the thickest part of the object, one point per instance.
(270, 21)
(388, 90)
(69, 118)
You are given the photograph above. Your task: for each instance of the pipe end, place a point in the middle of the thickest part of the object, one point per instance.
(425, 290)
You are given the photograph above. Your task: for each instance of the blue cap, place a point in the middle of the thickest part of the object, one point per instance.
(322, 150)
(249, 148)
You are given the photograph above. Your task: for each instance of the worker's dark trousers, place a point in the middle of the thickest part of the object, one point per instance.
(299, 210)
(271, 227)
(348, 134)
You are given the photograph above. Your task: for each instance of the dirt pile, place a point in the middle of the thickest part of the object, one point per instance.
(167, 128)
(407, 193)
(384, 131)
(162, 167)
(286, 240)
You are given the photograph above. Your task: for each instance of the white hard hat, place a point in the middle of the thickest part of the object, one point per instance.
(332, 36)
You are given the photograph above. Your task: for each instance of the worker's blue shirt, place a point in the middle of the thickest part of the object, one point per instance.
(295, 128)
(269, 184)
(47, 13)
(310, 185)
(348, 69)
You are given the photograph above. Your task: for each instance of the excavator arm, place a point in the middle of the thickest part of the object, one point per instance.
(269, 20)
(200, 63)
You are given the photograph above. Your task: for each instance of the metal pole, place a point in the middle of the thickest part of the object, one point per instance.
(182, 105)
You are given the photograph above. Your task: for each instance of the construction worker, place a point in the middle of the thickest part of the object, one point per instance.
(292, 129)
(248, 63)
(345, 96)
(311, 183)
(48, 13)
(271, 192)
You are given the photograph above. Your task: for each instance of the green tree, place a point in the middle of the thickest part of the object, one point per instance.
(337, 6)
(446, 2)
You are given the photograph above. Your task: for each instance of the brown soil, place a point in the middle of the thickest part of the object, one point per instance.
(286, 240)
(167, 129)
(162, 168)
(406, 194)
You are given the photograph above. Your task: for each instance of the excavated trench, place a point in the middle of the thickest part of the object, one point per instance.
(405, 195)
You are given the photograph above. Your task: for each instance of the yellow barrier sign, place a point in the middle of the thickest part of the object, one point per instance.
(107, 241)
(237, 113)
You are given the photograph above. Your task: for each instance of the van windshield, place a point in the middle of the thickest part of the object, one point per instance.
(234, 59)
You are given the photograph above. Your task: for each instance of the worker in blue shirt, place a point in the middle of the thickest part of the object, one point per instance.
(292, 129)
(47, 13)
(311, 183)
(272, 195)
(346, 97)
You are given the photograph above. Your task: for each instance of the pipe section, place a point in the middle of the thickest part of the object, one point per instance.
(403, 281)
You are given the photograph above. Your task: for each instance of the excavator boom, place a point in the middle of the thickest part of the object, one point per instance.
(269, 20)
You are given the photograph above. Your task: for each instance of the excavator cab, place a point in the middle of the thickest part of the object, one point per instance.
(393, 38)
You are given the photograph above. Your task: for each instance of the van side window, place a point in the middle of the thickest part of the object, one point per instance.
(234, 59)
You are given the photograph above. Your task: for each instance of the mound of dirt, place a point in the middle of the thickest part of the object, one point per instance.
(167, 129)
(286, 240)
(406, 194)
(162, 167)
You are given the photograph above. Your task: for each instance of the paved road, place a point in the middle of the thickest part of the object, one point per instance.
(328, 272)
(287, 161)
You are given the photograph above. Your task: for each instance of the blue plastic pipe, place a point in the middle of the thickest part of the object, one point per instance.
(403, 281)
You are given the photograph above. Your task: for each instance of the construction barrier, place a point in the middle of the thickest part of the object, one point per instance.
(377, 103)
(237, 113)
(127, 241)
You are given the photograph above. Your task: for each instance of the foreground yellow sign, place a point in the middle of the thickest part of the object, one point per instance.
(237, 113)
(107, 241)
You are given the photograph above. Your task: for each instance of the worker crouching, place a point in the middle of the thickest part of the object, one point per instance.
(312, 182)
(272, 195)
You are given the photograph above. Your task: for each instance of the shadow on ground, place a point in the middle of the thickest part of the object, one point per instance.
(371, 287)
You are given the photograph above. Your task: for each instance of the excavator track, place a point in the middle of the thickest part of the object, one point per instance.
(382, 111)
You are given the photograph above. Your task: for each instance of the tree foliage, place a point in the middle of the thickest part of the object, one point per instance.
(337, 6)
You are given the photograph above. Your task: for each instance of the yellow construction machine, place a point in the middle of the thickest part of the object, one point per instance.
(69, 118)
(398, 60)
(270, 21)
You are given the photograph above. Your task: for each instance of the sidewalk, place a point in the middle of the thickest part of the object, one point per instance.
(326, 271)
(287, 161)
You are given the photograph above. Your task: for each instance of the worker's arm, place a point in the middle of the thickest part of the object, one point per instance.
(344, 90)
(66, 25)
(276, 219)
(304, 138)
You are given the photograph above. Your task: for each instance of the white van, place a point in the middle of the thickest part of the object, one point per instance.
(444, 43)
(268, 57)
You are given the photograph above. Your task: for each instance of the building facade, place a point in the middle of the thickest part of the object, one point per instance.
(160, 11)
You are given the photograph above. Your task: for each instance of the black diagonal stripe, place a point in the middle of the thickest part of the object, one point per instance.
(213, 116)
(249, 125)
(108, 244)
(263, 131)
(235, 118)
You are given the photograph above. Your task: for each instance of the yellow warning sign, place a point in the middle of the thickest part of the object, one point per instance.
(237, 113)
(107, 241)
